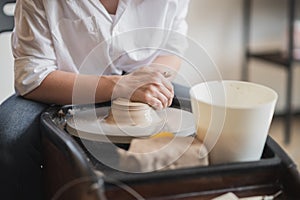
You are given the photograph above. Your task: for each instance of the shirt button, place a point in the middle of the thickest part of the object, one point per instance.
(92, 29)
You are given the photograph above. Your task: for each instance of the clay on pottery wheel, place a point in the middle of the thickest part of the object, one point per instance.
(126, 112)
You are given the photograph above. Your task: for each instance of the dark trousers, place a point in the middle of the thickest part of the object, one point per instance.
(20, 149)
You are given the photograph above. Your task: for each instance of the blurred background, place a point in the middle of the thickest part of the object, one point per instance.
(218, 27)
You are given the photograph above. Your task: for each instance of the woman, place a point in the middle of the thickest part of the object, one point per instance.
(50, 42)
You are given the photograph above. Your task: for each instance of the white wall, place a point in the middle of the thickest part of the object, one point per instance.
(217, 25)
(6, 67)
(6, 61)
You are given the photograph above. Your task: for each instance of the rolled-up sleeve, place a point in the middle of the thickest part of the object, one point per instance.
(180, 24)
(177, 42)
(32, 46)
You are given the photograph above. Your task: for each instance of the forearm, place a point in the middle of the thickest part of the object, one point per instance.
(62, 88)
(170, 63)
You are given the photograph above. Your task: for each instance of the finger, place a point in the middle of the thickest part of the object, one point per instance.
(147, 97)
(167, 84)
(164, 95)
(158, 77)
(162, 98)
(155, 103)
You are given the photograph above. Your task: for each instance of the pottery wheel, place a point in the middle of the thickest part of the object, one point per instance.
(90, 124)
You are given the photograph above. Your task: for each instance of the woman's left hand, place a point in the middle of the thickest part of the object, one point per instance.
(145, 85)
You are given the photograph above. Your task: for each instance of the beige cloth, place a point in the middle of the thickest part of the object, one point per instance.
(146, 155)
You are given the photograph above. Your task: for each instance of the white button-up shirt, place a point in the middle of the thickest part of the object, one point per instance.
(80, 36)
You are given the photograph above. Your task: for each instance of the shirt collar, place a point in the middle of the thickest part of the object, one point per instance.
(120, 10)
(123, 4)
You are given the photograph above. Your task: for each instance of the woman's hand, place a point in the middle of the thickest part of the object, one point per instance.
(145, 85)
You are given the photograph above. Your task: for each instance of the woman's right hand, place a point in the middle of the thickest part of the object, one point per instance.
(145, 85)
